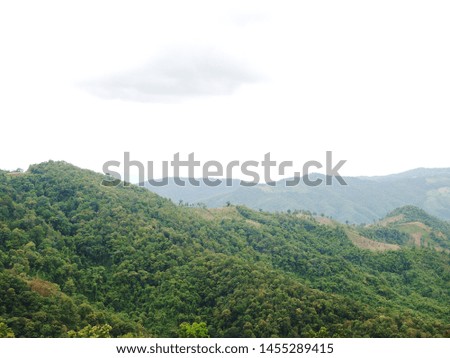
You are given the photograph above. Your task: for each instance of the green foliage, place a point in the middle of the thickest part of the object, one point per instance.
(322, 333)
(388, 235)
(5, 331)
(194, 330)
(81, 259)
(102, 331)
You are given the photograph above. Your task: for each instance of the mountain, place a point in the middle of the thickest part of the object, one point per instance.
(190, 193)
(412, 226)
(363, 200)
(79, 259)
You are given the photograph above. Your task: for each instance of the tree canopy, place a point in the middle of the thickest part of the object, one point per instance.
(78, 259)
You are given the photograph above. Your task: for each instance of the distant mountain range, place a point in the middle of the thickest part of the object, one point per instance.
(363, 200)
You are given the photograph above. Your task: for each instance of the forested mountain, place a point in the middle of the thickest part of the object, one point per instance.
(363, 200)
(411, 226)
(81, 259)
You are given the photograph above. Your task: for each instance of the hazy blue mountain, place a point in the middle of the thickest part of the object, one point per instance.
(363, 200)
(191, 193)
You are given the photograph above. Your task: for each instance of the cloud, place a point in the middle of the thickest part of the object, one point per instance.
(176, 75)
(248, 18)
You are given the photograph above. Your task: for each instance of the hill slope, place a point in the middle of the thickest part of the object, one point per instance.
(411, 226)
(81, 259)
(363, 200)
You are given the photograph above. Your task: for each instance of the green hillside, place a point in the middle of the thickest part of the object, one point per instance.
(81, 259)
(411, 226)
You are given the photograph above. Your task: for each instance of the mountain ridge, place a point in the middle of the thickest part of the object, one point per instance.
(363, 200)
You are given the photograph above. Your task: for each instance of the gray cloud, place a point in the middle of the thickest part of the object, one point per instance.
(177, 75)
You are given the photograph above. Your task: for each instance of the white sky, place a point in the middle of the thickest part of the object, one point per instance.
(84, 82)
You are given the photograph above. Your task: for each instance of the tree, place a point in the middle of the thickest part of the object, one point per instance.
(194, 330)
(99, 331)
(5, 331)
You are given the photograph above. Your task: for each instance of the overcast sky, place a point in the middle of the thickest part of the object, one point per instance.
(87, 80)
